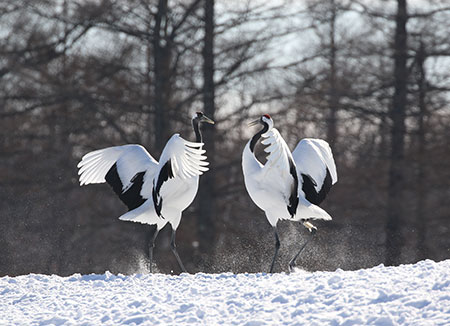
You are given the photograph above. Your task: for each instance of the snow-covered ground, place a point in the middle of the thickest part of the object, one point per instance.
(406, 295)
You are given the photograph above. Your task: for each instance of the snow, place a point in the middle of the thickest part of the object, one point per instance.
(416, 294)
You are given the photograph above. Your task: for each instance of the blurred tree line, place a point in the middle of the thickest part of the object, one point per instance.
(372, 78)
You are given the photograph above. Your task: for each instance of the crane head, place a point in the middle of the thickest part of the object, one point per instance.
(263, 120)
(201, 117)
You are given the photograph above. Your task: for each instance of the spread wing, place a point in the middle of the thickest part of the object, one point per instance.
(180, 160)
(125, 168)
(186, 157)
(316, 168)
(279, 171)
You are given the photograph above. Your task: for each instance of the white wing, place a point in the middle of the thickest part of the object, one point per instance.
(129, 159)
(186, 157)
(271, 184)
(314, 160)
(313, 157)
(276, 172)
(186, 161)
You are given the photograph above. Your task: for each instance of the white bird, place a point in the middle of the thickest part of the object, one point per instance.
(288, 186)
(154, 192)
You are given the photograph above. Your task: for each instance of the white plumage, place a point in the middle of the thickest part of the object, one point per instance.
(130, 159)
(288, 186)
(313, 157)
(155, 192)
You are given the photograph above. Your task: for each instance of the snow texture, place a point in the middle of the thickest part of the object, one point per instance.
(405, 295)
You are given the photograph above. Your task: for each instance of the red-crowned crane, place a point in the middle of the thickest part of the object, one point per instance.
(288, 186)
(154, 192)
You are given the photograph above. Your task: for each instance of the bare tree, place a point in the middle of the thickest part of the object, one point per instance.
(397, 115)
(207, 209)
(81, 75)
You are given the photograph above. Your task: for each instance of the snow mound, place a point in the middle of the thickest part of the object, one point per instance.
(405, 295)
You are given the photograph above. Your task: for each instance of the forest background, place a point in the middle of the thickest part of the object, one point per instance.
(370, 77)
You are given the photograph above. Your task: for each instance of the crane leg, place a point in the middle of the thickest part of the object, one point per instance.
(312, 229)
(151, 245)
(173, 246)
(277, 246)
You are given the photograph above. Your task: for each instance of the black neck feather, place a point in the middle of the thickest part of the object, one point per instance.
(198, 134)
(257, 136)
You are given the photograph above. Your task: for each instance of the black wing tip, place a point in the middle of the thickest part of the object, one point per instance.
(165, 174)
(309, 189)
(132, 196)
(327, 184)
(293, 199)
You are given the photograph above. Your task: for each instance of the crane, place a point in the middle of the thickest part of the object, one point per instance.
(155, 192)
(289, 186)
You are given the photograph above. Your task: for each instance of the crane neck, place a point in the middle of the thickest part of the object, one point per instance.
(198, 134)
(257, 136)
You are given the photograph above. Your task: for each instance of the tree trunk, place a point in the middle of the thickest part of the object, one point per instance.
(333, 98)
(207, 201)
(397, 115)
(422, 251)
(162, 58)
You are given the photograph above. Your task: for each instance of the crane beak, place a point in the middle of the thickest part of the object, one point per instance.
(207, 120)
(253, 123)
